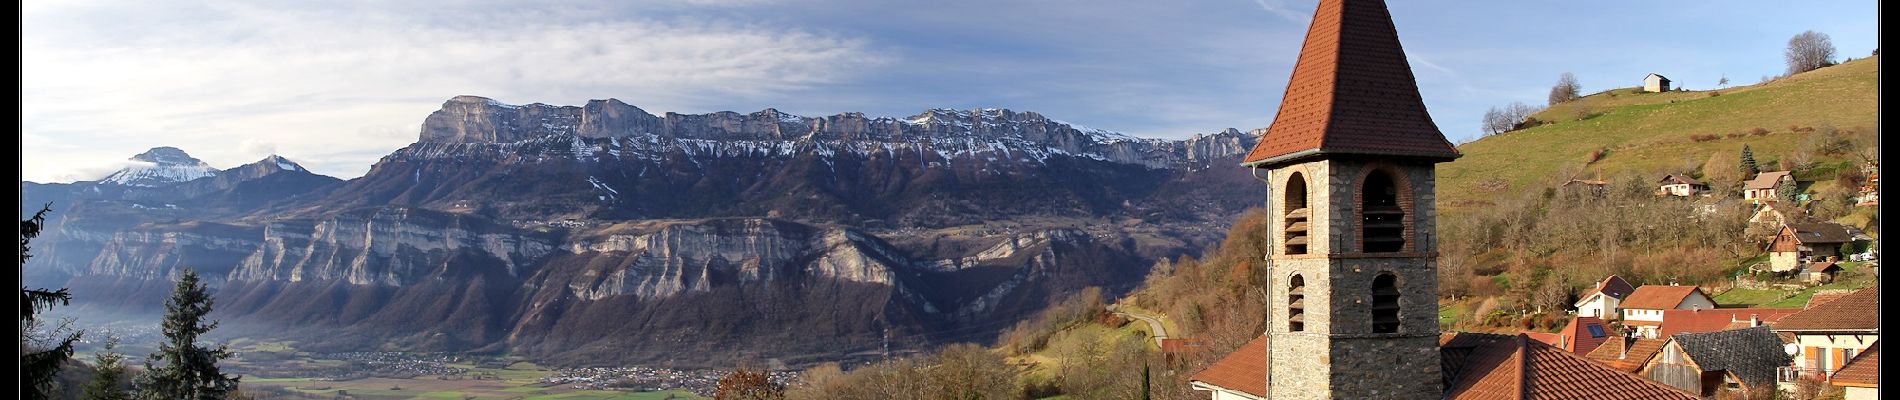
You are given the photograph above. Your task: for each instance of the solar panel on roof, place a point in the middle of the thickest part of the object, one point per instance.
(1596, 331)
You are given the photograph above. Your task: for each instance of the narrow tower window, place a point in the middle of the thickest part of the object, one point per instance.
(1385, 304)
(1297, 214)
(1296, 305)
(1383, 226)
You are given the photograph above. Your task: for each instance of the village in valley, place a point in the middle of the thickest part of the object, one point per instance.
(1800, 320)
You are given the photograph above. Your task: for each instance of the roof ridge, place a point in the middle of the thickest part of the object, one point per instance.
(1523, 365)
(1633, 375)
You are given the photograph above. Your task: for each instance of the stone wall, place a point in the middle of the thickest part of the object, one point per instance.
(1337, 355)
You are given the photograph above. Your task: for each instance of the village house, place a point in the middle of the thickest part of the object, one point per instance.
(1582, 335)
(1870, 191)
(1680, 185)
(1626, 352)
(1643, 309)
(1766, 185)
(1701, 320)
(1860, 378)
(1779, 213)
(1801, 243)
(1821, 272)
(1736, 360)
(1655, 83)
(1476, 366)
(1601, 301)
(1829, 334)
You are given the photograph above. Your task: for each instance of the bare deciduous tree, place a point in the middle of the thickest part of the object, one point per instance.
(1566, 89)
(1808, 51)
(1494, 121)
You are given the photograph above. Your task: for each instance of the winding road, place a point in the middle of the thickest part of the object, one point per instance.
(1154, 324)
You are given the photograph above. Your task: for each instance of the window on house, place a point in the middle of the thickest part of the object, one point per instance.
(1297, 214)
(1382, 228)
(1296, 305)
(1596, 331)
(1385, 304)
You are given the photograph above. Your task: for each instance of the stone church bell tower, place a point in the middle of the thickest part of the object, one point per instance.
(1349, 163)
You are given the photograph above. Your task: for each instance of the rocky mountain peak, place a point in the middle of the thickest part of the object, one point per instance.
(161, 166)
(167, 155)
(279, 162)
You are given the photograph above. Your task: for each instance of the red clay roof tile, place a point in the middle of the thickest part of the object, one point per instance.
(1245, 369)
(1658, 297)
(1352, 92)
(1697, 321)
(1859, 311)
(1863, 370)
(1522, 368)
(1612, 353)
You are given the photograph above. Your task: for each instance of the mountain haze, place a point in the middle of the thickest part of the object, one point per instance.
(602, 234)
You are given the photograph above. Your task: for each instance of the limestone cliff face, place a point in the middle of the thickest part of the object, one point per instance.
(684, 257)
(157, 253)
(388, 247)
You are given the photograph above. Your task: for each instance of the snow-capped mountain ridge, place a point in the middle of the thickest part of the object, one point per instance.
(988, 133)
(161, 166)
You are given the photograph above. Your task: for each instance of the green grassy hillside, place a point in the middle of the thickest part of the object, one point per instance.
(1650, 133)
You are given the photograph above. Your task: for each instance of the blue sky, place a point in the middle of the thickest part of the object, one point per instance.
(337, 85)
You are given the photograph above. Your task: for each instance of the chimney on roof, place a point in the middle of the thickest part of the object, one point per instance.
(1754, 320)
(1629, 338)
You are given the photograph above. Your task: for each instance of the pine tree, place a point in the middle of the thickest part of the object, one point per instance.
(39, 366)
(186, 370)
(1787, 192)
(108, 379)
(1748, 163)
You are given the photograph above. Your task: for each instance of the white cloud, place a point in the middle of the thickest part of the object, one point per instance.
(230, 81)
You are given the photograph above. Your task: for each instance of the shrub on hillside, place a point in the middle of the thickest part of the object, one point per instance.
(1596, 155)
(1759, 131)
(1699, 138)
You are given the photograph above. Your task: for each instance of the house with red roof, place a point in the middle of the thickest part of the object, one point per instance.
(1626, 353)
(1582, 335)
(1601, 300)
(1719, 319)
(1830, 334)
(1240, 375)
(1861, 376)
(1643, 309)
(1475, 365)
(1821, 272)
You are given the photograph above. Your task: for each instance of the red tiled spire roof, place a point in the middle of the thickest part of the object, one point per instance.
(1352, 92)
